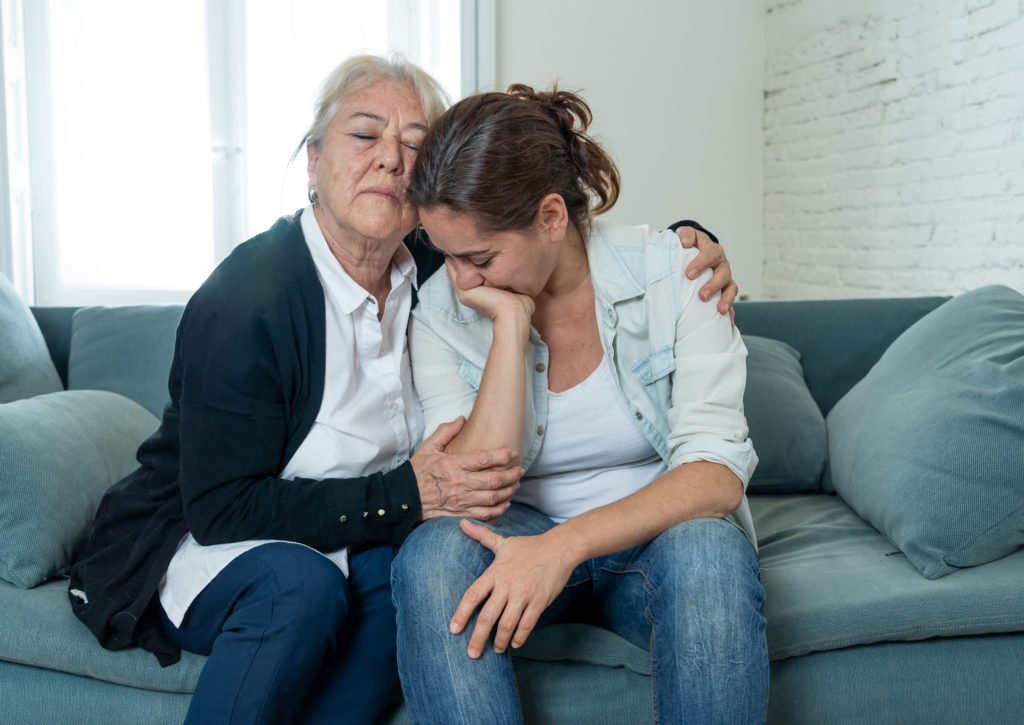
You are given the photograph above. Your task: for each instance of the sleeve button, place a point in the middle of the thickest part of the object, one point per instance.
(540, 430)
(380, 512)
(366, 514)
(539, 368)
(343, 518)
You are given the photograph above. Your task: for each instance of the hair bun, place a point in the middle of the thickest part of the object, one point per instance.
(568, 109)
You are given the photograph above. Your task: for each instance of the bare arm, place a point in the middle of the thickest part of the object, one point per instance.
(499, 408)
(528, 572)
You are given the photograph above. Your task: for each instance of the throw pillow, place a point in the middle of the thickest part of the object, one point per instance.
(125, 350)
(59, 453)
(929, 446)
(786, 425)
(26, 369)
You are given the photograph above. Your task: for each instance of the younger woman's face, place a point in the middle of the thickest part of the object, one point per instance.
(516, 261)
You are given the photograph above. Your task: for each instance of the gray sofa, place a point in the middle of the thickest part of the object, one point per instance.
(856, 631)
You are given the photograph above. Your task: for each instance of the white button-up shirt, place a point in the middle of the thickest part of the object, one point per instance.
(370, 419)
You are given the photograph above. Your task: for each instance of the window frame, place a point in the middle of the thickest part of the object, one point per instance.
(28, 245)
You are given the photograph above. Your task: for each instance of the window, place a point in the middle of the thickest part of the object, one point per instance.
(159, 133)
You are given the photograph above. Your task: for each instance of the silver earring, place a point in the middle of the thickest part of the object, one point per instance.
(313, 196)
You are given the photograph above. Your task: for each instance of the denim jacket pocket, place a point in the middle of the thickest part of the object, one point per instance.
(655, 365)
(471, 373)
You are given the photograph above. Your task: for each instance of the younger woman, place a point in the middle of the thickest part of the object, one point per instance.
(584, 346)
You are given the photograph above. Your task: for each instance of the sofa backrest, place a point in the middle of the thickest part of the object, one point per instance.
(125, 350)
(838, 340)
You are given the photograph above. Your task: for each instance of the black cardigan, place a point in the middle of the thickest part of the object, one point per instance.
(246, 384)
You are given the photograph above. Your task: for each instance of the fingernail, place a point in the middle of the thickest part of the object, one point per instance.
(474, 652)
(454, 628)
(691, 273)
(704, 296)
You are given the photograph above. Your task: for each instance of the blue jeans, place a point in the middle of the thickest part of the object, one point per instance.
(290, 639)
(691, 596)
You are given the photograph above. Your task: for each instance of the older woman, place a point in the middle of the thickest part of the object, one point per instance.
(584, 345)
(262, 523)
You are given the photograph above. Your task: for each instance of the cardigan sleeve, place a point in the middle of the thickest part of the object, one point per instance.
(693, 225)
(245, 378)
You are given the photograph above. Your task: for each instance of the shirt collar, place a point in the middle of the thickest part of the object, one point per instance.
(348, 293)
(615, 268)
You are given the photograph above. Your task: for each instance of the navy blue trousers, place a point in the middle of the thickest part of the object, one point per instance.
(290, 639)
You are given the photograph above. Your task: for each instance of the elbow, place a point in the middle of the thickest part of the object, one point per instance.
(202, 532)
(731, 497)
(204, 528)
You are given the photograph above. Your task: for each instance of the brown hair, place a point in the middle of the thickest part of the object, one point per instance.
(494, 156)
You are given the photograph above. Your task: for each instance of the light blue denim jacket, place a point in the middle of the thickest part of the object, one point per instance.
(679, 364)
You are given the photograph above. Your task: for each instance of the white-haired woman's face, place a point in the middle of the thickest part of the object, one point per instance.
(362, 167)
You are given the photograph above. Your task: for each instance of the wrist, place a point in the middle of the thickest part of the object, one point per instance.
(562, 538)
(512, 323)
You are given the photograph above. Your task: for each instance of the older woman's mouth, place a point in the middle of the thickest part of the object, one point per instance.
(383, 191)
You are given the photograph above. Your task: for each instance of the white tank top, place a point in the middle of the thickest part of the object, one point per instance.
(593, 453)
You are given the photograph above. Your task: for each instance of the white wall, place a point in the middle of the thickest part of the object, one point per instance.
(894, 147)
(676, 89)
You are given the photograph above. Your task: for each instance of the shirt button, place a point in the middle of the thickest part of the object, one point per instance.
(639, 415)
(540, 430)
(343, 518)
(540, 367)
(366, 514)
(380, 512)
(405, 507)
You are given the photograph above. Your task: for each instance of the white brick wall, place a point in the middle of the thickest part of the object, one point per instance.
(894, 147)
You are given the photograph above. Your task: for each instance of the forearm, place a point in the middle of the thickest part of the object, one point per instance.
(693, 490)
(496, 420)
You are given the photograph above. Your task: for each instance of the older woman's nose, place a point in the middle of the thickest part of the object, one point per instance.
(390, 155)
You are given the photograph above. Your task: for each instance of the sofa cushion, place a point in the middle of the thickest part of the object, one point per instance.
(25, 365)
(786, 425)
(125, 350)
(58, 454)
(929, 446)
(832, 581)
(39, 629)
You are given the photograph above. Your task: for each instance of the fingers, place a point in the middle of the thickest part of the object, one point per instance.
(451, 491)
(488, 513)
(445, 433)
(711, 257)
(719, 281)
(478, 591)
(482, 534)
(687, 236)
(728, 297)
(510, 620)
(483, 460)
(528, 620)
(485, 622)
